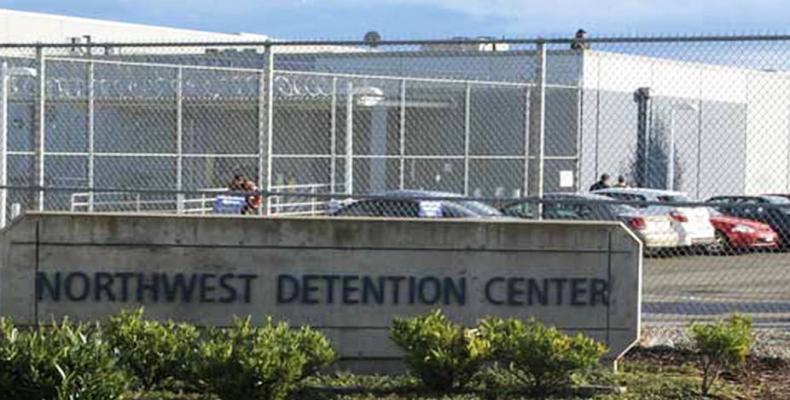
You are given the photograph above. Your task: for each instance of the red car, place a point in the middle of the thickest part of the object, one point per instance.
(734, 233)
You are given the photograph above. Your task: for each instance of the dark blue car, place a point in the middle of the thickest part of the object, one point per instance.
(416, 204)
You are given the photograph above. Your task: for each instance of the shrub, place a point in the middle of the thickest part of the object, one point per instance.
(66, 361)
(248, 362)
(157, 354)
(9, 340)
(538, 356)
(719, 346)
(442, 354)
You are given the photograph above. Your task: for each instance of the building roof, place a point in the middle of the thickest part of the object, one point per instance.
(31, 27)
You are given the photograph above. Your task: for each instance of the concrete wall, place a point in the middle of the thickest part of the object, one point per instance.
(710, 143)
(118, 256)
(768, 143)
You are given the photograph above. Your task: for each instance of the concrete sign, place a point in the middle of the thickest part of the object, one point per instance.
(347, 277)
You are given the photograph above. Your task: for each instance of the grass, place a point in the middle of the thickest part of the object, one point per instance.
(642, 380)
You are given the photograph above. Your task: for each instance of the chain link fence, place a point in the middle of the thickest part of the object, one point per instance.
(698, 128)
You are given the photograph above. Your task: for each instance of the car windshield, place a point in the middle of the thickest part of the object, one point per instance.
(777, 200)
(481, 209)
(476, 207)
(781, 201)
(622, 209)
(674, 199)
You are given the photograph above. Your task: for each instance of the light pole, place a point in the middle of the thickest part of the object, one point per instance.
(671, 152)
(6, 73)
(366, 96)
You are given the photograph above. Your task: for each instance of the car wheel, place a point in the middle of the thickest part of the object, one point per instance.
(721, 245)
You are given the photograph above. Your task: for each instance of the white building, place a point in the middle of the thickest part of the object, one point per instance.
(31, 27)
(188, 117)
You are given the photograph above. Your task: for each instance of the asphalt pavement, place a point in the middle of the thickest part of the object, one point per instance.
(703, 287)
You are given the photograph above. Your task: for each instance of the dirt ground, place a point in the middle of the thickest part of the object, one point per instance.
(764, 378)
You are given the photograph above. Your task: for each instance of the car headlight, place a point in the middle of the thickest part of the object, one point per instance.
(743, 229)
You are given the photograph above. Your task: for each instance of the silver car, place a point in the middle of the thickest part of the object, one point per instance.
(655, 230)
(691, 223)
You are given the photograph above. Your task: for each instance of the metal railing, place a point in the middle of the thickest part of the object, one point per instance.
(289, 200)
(299, 199)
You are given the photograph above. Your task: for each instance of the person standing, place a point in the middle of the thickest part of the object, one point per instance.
(252, 200)
(236, 183)
(580, 41)
(603, 183)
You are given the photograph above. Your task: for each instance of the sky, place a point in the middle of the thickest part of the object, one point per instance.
(435, 19)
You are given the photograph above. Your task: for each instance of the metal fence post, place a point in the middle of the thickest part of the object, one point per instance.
(467, 105)
(40, 121)
(349, 181)
(402, 135)
(312, 201)
(91, 134)
(333, 138)
(538, 123)
(670, 178)
(699, 134)
(4, 78)
(527, 94)
(642, 98)
(579, 122)
(179, 139)
(261, 168)
(265, 136)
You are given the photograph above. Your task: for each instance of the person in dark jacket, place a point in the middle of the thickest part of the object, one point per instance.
(236, 185)
(252, 200)
(621, 183)
(580, 41)
(601, 184)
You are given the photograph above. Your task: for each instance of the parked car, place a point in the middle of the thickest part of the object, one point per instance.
(655, 230)
(415, 204)
(733, 233)
(692, 223)
(785, 195)
(771, 210)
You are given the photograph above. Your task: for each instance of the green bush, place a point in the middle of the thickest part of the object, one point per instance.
(9, 358)
(442, 354)
(540, 357)
(719, 346)
(157, 354)
(268, 362)
(65, 361)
